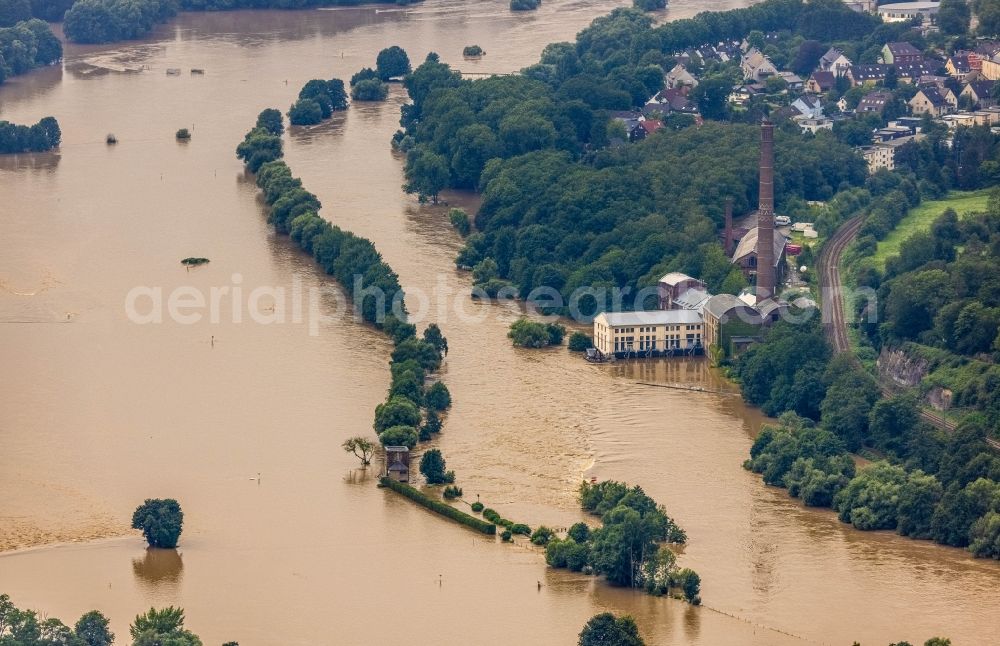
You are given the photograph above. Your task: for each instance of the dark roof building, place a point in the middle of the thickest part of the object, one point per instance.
(874, 102)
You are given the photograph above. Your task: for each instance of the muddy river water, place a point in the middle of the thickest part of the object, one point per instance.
(98, 412)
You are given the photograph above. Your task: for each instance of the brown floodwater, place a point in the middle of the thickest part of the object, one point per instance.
(98, 412)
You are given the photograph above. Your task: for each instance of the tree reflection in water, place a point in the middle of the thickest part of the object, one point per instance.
(159, 569)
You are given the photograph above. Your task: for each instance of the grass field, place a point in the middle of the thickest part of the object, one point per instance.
(920, 219)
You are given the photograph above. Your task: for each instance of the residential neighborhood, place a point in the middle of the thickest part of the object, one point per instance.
(899, 86)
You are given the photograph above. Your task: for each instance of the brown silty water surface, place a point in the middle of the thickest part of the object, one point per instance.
(99, 412)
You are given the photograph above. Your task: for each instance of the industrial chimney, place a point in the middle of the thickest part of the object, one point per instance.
(765, 215)
(727, 241)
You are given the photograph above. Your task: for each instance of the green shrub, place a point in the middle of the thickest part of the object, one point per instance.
(437, 397)
(579, 342)
(370, 90)
(451, 492)
(473, 50)
(183, 134)
(439, 507)
(542, 535)
(579, 532)
(477, 507)
(491, 515)
(507, 536)
(520, 528)
(399, 436)
(460, 220)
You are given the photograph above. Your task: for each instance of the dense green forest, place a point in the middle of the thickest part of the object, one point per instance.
(25, 45)
(44, 135)
(563, 209)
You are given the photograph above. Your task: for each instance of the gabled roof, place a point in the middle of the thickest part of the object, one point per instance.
(825, 80)
(874, 101)
(902, 49)
(748, 245)
(933, 96)
(830, 56)
(981, 87)
(913, 70)
(961, 63)
(651, 125)
(723, 305)
(869, 72)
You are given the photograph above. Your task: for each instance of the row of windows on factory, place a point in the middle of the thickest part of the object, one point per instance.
(668, 328)
(649, 342)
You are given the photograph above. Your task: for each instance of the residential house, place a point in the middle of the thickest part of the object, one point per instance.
(980, 93)
(680, 76)
(821, 82)
(882, 154)
(632, 122)
(671, 100)
(867, 74)
(756, 66)
(898, 53)
(792, 81)
(834, 61)
(991, 68)
(929, 100)
(874, 102)
(959, 66)
(912, 72)
(808, 106)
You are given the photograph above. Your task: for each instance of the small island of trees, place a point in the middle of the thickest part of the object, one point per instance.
(526, 333)
(318, 100)
(25, 42)
(161, 521)
(183, 134)
(41, 137)
(524, 5)
(472, 51)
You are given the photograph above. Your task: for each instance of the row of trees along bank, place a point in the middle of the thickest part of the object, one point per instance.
(411, 410)
(925, 484)
(103, 21)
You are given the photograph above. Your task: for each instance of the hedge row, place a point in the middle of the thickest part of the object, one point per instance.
(442, 508)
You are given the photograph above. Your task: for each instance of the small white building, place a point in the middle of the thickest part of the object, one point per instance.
(649, 333)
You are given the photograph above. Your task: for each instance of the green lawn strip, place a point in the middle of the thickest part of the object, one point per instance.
(921, 218)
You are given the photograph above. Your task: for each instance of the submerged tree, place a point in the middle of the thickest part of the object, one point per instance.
(607, 630)
(362, 448)
(161, 521)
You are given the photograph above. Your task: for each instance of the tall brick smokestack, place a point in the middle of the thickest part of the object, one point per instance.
(727, 242)
(765, 215)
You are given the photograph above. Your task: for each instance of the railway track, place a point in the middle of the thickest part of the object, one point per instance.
(834, 321)
(831, 287)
